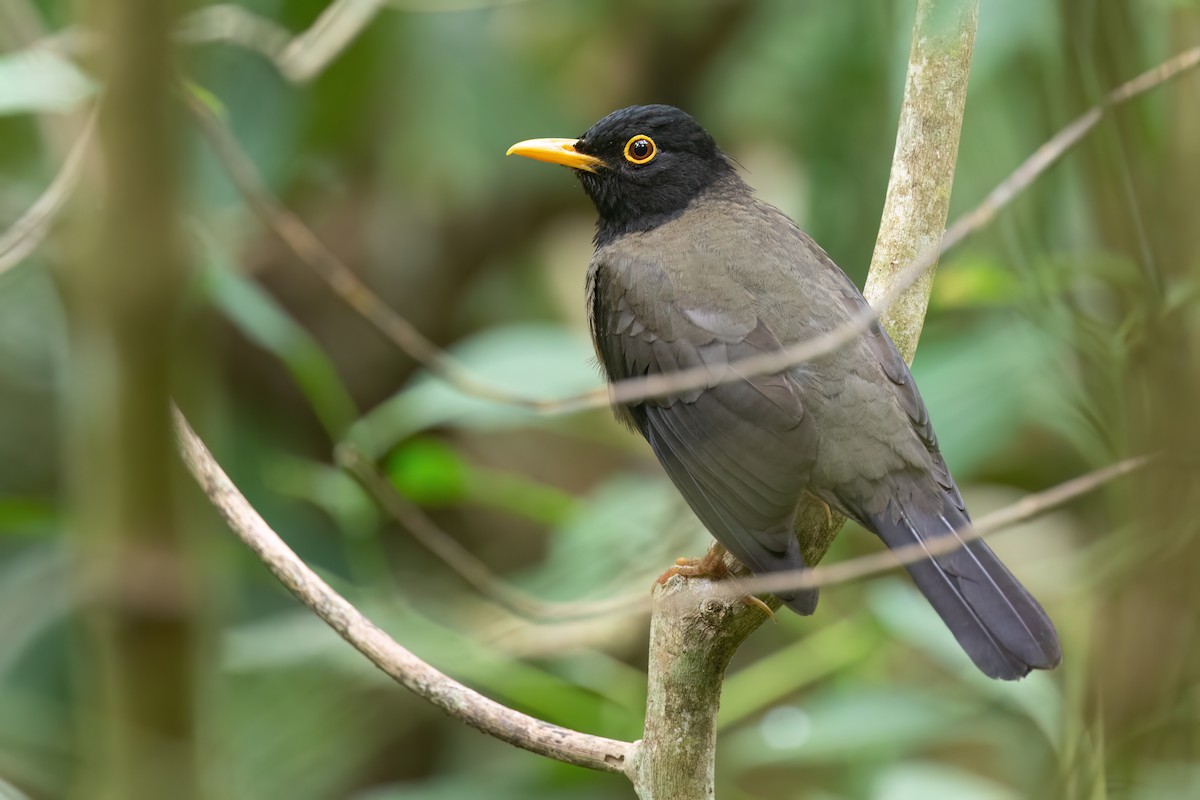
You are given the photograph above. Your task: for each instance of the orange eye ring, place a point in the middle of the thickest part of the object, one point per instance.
(640, 149)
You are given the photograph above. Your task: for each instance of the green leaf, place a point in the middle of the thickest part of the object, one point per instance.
(983, 383)
(23, 516)
(39, 81)
(429, 472)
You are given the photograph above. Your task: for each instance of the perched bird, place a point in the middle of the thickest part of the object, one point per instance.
(691, 269)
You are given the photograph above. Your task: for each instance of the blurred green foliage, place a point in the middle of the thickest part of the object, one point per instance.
(1061, 338)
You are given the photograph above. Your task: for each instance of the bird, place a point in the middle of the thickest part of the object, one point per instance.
(691, 269)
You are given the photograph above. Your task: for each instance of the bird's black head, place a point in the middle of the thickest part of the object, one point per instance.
(641, 166)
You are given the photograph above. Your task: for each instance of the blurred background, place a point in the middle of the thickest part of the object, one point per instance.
(1059, 340)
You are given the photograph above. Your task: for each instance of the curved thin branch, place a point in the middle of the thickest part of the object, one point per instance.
(467, 705)
(235, 25)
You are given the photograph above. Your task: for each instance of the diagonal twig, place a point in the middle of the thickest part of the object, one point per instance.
(467, 566)
(307, 54)
(446, 548)
(30, 229)
(298, 57)
(354, 292)
(1049, 153)
(864, 566)
(331, 269)
(24, 235)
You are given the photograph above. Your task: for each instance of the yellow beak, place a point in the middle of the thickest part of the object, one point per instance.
(555, 151)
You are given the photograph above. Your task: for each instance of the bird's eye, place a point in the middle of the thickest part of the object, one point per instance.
(640, 149)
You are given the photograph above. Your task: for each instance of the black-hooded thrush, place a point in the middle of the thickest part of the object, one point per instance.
(690, 269)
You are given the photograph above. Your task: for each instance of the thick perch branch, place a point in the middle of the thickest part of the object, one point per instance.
(458, 701)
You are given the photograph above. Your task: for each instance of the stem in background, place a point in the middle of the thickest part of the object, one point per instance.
(694, 631)
(121, 289)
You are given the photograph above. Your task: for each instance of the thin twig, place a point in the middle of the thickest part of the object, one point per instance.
(448, 6)
(467, 705)
(446, 548)
(307, 55)
(25, 235)
(1049, 153)
(298, 57)
(865, 566)
(304, 243)
(332, 270)
(491, 585)
(230, 24)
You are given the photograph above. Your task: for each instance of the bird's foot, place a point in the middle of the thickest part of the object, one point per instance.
(712, 566)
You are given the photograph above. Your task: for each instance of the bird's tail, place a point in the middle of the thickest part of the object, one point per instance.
(995, 620)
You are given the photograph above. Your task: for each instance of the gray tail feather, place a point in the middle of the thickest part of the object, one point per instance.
(995, 620)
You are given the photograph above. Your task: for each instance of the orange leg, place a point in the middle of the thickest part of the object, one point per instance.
(711, 566)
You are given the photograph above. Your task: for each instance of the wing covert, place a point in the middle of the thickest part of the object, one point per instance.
(739, 452)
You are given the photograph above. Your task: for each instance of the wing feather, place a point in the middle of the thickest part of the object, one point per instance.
(739, 452)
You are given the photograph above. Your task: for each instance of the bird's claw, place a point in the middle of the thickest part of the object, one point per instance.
(755, 602)
(711, 566)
